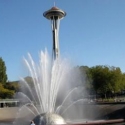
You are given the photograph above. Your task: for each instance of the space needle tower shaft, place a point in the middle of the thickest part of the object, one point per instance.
(55, 15)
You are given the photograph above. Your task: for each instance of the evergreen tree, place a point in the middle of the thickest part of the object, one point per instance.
(3, 75)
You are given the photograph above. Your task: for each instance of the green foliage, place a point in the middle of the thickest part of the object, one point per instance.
(104, 80)
(88, 78)
(116, 79)
(123, 81)
(100, 76)
(3, 75)
(12, 86)
(5, 93)
(8, 89)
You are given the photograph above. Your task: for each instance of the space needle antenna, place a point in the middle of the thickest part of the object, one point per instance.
(54, 3)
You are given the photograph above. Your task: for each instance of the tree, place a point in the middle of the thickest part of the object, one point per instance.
(100, 77)
(107, 80)
(3, 75)
(116, 79)
(123, 82)
(85, 70)
(5, 93)
(12, 86)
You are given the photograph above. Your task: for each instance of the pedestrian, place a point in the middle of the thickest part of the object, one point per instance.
(32, 123)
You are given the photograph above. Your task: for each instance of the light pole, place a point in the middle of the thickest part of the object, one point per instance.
(55, 14)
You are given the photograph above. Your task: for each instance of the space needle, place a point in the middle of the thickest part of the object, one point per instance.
(55, 15)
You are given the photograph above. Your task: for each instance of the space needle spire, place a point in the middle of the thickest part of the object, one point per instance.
(55, 15)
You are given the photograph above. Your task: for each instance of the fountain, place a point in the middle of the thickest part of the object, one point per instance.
(55, 86)
(54, 92)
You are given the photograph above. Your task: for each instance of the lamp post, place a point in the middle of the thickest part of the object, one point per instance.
(55, 15)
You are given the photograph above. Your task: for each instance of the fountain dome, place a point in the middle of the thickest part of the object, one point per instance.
(49, 119)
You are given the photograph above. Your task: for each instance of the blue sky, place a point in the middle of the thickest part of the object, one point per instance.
(92, 33)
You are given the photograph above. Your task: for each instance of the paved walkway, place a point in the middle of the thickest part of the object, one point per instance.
(8, 113)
